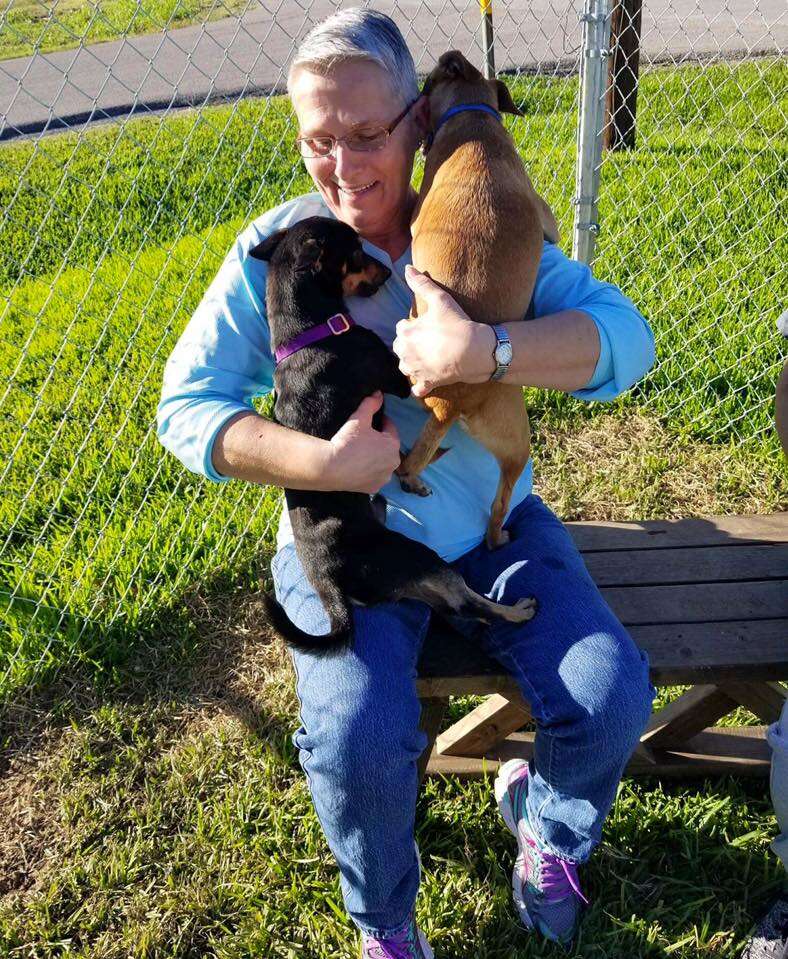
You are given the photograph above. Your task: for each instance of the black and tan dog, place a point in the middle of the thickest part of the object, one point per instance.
(347, 553)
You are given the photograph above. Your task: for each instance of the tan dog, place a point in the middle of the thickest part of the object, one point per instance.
(478, 229)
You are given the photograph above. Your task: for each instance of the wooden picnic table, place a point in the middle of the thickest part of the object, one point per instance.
(707, 598)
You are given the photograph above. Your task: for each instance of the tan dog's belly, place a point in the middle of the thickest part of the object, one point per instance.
(477, 231)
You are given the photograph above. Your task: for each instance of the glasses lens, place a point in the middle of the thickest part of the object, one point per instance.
(315, 146)
(368, 141)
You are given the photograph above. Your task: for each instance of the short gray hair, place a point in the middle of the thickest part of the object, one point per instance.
(359, 34)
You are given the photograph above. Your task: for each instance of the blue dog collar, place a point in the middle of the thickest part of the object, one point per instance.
(462, 108)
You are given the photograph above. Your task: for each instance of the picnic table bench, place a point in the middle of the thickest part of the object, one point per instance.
(707, 599)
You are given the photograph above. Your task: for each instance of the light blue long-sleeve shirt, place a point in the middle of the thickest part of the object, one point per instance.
(223, 359)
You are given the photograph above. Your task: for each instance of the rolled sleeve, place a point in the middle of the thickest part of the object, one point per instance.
(626, 340)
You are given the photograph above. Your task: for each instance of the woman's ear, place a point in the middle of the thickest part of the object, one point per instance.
(266, 249)
(421, 116)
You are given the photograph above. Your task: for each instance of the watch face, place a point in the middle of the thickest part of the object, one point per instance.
(503, 353)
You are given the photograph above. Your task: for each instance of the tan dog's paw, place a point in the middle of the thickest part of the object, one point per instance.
(496, 539)
(414, 484)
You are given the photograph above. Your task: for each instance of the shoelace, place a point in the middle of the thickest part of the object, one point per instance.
(557, 878)
(400, 946)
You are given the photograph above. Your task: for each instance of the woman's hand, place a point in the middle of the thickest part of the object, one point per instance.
(361, 459)
(442, 345)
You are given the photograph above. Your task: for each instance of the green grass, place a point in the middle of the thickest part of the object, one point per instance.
(31, 24)
(160, 836)
(110, 240)
(173, 845)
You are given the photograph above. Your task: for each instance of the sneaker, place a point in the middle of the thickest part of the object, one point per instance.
(407, 944)
(545, 888)
(771, 937)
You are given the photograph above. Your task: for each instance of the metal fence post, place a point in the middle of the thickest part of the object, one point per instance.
(596, 38)
(487, 38)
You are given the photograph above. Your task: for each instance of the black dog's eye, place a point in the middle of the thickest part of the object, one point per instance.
(356, 261)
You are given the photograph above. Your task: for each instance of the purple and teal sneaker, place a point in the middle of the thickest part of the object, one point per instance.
(407, 944)
(545, 888)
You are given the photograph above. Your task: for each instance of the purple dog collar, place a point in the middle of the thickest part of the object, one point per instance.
(334, 326)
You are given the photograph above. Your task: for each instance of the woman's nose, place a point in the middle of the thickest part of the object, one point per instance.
(344, 161)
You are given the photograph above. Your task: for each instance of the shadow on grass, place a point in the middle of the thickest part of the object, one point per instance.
(652, 884)
(204, 652)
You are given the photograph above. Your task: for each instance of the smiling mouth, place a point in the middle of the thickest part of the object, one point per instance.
(356, 190)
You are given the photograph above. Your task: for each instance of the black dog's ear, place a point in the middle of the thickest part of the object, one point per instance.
(265, 250)
(505, 102)
(309, 254)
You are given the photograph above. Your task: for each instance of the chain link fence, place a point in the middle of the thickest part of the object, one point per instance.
(117, 207)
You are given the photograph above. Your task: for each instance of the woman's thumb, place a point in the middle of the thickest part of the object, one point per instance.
(417, 280)
(368, 407)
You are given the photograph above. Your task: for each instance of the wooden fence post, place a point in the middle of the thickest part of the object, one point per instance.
(622, 84)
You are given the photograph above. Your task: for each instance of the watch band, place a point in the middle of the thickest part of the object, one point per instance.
(502, 353)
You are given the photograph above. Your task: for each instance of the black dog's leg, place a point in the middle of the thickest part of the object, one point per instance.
(396, 382)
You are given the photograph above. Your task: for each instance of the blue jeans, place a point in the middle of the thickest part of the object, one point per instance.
(359, 741)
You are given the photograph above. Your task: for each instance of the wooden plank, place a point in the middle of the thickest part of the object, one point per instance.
(707, 652)
(472, 684)
(484, 726)
(662, 533)
(698, 603)
(686, 716)
(704, 564)
(678, 653)
(766, 700)
(717, 751)
(432, 712)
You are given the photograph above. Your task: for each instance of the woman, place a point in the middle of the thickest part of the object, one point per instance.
(354, 90)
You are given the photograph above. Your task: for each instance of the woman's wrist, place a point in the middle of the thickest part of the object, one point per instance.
(478, 362)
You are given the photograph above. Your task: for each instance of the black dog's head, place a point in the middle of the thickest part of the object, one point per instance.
(323, 252)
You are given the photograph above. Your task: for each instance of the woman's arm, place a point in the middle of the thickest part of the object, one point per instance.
(556, 352)
(357, 459)
(589, 339)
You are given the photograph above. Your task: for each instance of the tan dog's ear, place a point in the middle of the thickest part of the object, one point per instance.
(505, 102)
(454, 65)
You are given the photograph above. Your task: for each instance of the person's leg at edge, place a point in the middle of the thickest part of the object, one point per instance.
(770, 940)
(358, 743)
(586, 681)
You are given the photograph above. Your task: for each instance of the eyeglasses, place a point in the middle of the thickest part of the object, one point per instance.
(365, 141)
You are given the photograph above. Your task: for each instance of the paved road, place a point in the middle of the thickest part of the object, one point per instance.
(247, 55)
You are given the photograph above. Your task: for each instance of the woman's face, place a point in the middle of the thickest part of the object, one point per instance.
(368, 191)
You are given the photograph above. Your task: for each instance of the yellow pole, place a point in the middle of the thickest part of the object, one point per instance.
(487, 38)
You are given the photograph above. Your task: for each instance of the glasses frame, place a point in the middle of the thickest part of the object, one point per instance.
(335, 140)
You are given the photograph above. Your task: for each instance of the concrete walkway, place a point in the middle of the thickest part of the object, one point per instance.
(247, 56)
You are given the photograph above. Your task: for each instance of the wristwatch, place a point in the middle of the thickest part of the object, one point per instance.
(502, 353)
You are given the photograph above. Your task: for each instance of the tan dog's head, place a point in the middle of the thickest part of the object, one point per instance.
(454, 80)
